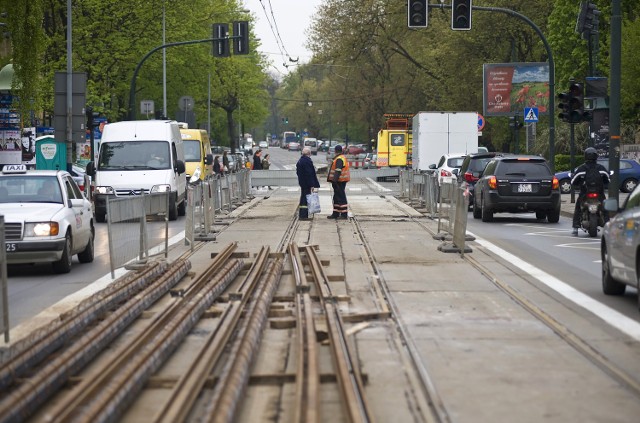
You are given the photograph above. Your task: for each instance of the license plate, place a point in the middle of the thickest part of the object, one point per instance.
(10, 247)
(524, 188)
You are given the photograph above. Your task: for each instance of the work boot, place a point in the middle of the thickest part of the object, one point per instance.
(333, 216)
(574, 232)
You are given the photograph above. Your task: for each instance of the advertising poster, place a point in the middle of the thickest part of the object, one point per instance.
(29, 146)
(510, 87)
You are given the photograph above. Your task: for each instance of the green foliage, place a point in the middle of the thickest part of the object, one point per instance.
(563, 161)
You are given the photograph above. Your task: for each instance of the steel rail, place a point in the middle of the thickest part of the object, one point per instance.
(185, 392)
(234, 379)
(435, 410)
(90, 389)
(21, 402)
(347, 373)
(307, 372)
(25, 356)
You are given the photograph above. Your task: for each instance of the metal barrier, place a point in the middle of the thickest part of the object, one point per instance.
(288, 178)
(127, 228)
(4, 300)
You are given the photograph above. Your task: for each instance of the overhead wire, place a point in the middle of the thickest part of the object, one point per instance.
(273, 25)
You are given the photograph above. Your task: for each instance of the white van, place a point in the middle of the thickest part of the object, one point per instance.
(312, 143)
(140, 155)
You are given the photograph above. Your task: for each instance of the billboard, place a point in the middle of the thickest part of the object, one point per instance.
(510, 87)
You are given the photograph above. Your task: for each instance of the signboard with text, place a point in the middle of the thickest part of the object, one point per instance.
(510, 87)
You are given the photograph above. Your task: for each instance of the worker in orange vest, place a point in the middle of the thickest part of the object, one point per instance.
(339, 176)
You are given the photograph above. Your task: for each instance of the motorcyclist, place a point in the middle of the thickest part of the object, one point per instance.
(590, 162)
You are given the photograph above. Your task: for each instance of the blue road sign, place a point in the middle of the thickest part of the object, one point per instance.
(530, 114)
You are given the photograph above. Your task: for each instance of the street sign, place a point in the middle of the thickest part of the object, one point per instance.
(530, 114)
(146, 107)
(186, 103)
(480, 122)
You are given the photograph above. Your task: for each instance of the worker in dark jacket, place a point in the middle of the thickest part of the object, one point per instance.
(307, 180)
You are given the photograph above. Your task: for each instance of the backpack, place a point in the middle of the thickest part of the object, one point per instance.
(593, 179)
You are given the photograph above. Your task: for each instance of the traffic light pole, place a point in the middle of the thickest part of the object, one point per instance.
(552, 76)
(132, 90)
(572, 157)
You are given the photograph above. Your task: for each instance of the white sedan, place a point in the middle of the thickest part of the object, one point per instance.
(47, 219)
(263, 144)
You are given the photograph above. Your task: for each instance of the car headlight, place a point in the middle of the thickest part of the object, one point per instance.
(41, 229)
(161, 188)
(104, 190)
(196, 175)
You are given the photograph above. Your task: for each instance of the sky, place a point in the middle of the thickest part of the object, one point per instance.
(292, 17)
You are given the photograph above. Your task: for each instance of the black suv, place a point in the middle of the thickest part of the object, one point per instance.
(516, 184)
(471, 168)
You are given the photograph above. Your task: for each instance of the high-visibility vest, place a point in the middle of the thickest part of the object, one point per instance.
(344, 174)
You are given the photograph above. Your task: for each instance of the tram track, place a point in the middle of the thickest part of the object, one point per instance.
(578, 343)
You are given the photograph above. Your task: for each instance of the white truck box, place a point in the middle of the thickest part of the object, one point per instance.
(439, 133)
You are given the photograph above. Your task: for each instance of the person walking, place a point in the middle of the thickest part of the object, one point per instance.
(339, 176)
(266, 162)
(225, 162)
(307, 179)
(257, 160)
(217, 168)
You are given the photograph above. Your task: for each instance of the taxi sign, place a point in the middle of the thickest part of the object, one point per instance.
(14, 168)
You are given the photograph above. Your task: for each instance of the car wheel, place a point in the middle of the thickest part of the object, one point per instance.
(86, 255)
(173, 209)
(565, 186)
(629, 185)
(64, 264)
(182, 208)
(553, 216)
(609, 285)
(487, 214)
(477, 213)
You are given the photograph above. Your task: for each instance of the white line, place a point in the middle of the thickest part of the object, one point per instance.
(606, 313)
(377, 185)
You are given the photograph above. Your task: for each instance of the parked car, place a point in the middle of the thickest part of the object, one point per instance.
(354, 150)
(312, 143)
(470, 170)
(233, 162)
(370, 161)
(78, 174)
(445, 167)
(517, 184)
(47, 218)
(620, 246)
(328, 144)
(629, 175)
(294, 146)
(263, 144)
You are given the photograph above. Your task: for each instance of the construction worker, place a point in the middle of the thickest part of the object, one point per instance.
(339, 176)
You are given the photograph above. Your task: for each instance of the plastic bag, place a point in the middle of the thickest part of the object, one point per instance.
(313, 203)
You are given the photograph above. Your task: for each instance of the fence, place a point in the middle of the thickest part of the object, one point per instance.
(4, 300)
(448, 202)
(127, 226)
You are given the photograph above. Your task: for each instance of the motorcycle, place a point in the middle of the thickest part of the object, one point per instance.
(592, 214)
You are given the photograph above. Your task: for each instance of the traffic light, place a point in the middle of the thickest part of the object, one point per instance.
(241, 44)
(577, 103)
(220, 40)
(565, 100)
(587, 22)
(417, 13)
(461, 15)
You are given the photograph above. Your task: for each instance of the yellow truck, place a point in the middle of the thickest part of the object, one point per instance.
(197, 152)
(395, 141)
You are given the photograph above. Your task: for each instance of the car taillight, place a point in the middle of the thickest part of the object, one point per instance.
(592, 195)
(555, 183)
(444, 172)
(468, 176)
(493, 182)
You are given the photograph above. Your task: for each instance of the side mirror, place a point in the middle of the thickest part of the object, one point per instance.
(208, 159)
(455, 171)
(179, 167)
(91, 169)
(432, 166)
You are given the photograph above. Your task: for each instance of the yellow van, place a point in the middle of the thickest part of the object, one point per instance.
(197, 152)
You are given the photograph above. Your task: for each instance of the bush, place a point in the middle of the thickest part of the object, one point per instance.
(563, 161)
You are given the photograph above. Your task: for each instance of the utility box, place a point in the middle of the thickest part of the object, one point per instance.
(50, 154)
(439, 133)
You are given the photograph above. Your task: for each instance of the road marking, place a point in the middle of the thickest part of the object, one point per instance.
(606, 313)
(377, 185)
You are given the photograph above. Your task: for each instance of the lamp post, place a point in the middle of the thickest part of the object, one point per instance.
(164, 65)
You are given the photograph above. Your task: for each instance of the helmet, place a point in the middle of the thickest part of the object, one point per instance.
(590, 154)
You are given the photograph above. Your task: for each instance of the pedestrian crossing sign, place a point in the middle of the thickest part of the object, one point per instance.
(530, 114)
